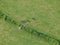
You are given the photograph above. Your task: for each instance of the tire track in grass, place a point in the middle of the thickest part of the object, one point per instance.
(27, 28)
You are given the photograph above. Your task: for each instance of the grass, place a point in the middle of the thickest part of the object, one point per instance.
(10, 35)
(47, 14)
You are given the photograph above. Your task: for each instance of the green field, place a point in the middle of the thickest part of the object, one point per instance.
(44, 16)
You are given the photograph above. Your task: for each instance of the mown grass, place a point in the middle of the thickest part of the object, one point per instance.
(47, 14)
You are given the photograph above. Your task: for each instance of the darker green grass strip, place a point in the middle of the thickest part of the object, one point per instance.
(27, 28)
(7, 18)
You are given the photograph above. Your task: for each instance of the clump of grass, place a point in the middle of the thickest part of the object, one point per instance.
(14, 22)
(33, 18)
(21, 26)
(58, 41)
(23, 23)
(7, 18)
(1, 14)
(39, 34)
